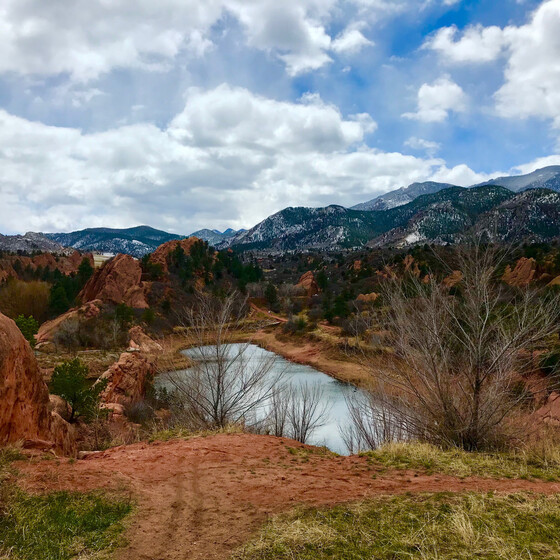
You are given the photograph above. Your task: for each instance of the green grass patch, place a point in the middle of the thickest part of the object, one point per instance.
(437, 526)
(56, 526)
(184, 433)
(456, 462)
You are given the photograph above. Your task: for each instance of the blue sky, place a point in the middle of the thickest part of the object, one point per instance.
(185, 114)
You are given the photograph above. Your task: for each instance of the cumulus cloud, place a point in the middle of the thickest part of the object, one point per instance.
(477, 44)
(532, 60)
(87, 39)
(229, 158)
(428, 146)
(437, 100)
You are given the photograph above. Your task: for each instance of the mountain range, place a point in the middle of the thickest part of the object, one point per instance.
(510, 209)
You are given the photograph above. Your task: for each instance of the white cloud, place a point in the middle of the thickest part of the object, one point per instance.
(230, 158)
(532, 61)
(428, 146)
(436, 100)
(477, 44)
(350, 41)
(88, 39)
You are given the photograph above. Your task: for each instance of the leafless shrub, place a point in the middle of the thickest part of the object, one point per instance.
(459, 354)
(228, 384)
(372, 423)
(307, 411)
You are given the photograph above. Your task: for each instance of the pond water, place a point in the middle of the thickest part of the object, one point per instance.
(296, 375)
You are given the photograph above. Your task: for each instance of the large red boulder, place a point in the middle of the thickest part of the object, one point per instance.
(523, 273)
(308, 284)
(161, 254)
(127, 378)
(25, 411)
(117, 281)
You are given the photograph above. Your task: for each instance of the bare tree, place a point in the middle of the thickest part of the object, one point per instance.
(372, 423)
(307, 411)
(460, 353)
(228, 383)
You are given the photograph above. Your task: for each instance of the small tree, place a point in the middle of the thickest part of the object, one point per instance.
(28, 327)
(271, 296)
(70, 382)
(85, 271)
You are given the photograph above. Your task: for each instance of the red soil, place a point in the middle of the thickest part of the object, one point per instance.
(201, 498)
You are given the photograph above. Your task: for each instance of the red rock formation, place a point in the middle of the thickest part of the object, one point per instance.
(48, 329)
(453, 279)
(523, 273)
(25, 411)
(367, 298)
(67, 264)
(411, 266)
(126, 379)
(549, 413)
(308, 283)
(141, 342)
(160, 255)
(117, 281)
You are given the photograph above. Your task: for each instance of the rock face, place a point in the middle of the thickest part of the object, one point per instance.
(308, 284)
(523, 273)
(549, 413)
(48, 330)
(25, 411)
(160, 255)
(141, 342)
(67, 264)
(367, 298)
(126, 379)
(117, 281)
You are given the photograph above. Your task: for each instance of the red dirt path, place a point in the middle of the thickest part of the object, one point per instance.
(201, 498)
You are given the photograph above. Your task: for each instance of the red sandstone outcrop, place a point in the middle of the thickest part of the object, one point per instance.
(127, 378)
(25, 411)
(141, 342)
(523, 273)
(67, 264)
(161, 254)
(367, 298)
(453, 279)
(411, 266)
(550, 411)
(48, 330)
(308, 284)
(117, 281)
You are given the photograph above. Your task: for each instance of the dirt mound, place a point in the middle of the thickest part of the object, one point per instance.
(160, 255)
(25, 411)
(117, 281)
(201, 498)
(308, 284)
(523, 273)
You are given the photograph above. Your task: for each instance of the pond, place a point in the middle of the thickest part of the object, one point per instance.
(333, 392)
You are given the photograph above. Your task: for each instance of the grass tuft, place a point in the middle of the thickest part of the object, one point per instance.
(56, 526)
(456, 462)
(437, 526)
(184, 433)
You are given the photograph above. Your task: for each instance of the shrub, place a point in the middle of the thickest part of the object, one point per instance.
(70, 382)
(28, 327)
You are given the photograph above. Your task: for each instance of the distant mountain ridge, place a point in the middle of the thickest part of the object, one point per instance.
(135, 241)
(214, 236)
(31, 242)
(545, 178)
(401, 196)
(446, 216)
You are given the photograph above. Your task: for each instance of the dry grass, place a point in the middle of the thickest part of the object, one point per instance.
(438, 526)
(542, 461)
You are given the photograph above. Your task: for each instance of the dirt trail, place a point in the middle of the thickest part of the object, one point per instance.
(201, 498)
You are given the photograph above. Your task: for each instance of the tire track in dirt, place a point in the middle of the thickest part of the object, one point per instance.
(201, 498)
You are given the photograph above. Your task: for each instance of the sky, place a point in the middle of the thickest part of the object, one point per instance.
(187, 114)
